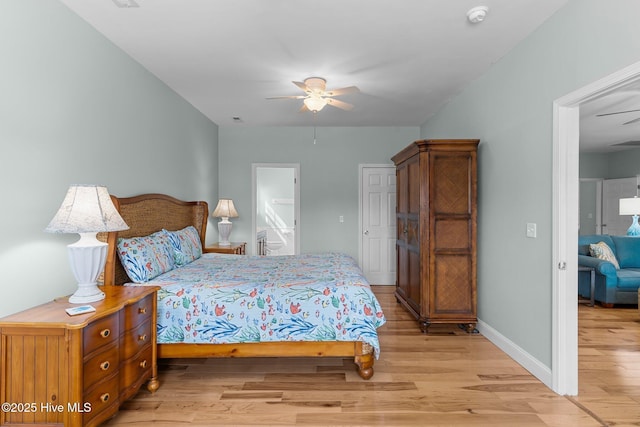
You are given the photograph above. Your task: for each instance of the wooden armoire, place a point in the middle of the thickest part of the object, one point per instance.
(436, 216)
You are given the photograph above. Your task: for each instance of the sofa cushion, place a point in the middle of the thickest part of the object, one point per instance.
(629, 279)
(627, 250)
(602, 251)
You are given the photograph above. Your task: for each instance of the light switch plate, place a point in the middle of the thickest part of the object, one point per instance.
(532, 229)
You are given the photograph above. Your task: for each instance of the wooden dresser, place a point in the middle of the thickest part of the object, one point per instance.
(436, 215)
(77, 370)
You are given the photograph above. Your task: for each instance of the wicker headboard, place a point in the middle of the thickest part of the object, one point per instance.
(146, 214)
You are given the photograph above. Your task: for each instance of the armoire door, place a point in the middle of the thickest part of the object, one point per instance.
(452, 243)
(408, 242)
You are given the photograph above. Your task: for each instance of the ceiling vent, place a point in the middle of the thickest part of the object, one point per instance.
(126, 3)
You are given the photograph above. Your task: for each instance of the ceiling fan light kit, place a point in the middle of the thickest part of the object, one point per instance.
(315, 103)
(317, 95)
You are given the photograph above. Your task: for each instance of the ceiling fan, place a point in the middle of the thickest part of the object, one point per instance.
(317, 95)
(622, 112)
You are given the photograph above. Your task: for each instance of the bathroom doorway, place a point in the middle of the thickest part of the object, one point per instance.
(276, 208)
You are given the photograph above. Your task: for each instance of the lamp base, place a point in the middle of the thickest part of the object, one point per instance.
(224, 230)
(87, 257)
(634, 230)
(86, 293)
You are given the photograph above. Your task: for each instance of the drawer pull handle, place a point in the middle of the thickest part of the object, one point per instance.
(104, 365)
(105, 333)
(104, 398)
(143, 364)
(142, 337)
(142, 310)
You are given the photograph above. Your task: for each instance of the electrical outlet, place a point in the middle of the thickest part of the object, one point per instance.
(532, 229)
(341, 218)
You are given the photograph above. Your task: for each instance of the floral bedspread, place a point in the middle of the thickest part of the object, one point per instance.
(222, 298)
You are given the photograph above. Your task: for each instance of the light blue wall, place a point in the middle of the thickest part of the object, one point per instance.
(76, 109)
(328, 175)
(510, 110)
(594, 165)
(621, 164)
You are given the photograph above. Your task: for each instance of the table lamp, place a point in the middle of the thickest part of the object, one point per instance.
(631, 206)
(87, 210)
(225, 210)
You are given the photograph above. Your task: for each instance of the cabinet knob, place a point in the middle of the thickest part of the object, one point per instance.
(104, 398)
(142, 337)
(143, 364)
(105, 333)
(104, 365)
(142, 310)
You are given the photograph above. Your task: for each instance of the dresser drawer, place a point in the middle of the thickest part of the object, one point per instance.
(136, 339)
(139, 367)
(101, 365)
(138, 312)
(103, 397)
(101, 332)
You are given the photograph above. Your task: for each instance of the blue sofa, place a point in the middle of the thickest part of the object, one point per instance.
(612, 286)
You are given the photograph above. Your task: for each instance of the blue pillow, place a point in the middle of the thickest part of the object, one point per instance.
(186, 245)
(145, 258)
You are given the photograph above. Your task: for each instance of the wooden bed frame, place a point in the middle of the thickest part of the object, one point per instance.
(148, 213)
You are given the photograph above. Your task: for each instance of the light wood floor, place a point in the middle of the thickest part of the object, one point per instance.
(445, 378)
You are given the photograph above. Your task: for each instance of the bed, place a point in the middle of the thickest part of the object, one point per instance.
(218, 305)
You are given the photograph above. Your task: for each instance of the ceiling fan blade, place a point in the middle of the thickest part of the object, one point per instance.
(632, 121)
(342, 91)
(617, 112)
(302, 86)
(287, 97)
(340, 104)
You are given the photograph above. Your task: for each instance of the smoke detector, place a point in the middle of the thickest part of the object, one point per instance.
(477, 14)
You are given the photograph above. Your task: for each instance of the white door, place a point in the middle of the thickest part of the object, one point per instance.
(612, 191)
(378, 219)
(590, 206)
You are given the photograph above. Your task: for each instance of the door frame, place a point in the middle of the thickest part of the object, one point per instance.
(565, 217)
(296, 203)
(360, 206)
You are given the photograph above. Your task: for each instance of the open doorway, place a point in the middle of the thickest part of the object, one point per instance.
(566, 146)
(276, 208)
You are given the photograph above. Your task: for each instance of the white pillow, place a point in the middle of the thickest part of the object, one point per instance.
(602, 251)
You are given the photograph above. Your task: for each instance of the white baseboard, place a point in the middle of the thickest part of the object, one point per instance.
(530, 363)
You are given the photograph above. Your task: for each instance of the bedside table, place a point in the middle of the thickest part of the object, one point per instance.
(238, 248)
(77, 370)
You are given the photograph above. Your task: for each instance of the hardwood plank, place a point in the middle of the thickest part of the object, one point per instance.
(446, 377)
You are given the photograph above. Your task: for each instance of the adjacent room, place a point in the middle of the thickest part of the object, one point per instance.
(284, 121)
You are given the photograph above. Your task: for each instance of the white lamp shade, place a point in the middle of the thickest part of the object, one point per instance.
(86, 209)
(630, 206)
(225, 209)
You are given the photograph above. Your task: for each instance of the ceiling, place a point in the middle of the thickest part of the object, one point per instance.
(408, 58)
(611, 122)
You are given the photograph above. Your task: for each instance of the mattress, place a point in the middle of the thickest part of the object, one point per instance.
(222, 298)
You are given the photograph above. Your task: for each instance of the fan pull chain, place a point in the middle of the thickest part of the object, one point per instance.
(314, 127)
